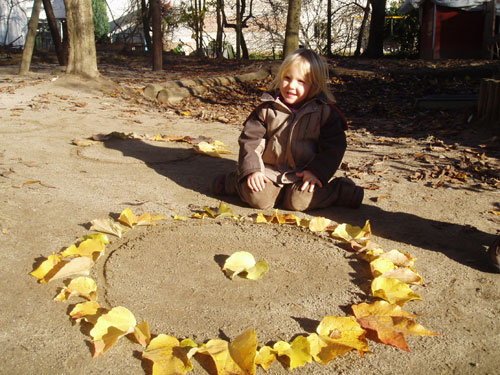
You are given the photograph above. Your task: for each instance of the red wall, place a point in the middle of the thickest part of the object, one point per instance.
(458, 33)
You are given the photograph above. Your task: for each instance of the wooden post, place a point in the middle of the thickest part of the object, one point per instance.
(489, 28)
(488, 109)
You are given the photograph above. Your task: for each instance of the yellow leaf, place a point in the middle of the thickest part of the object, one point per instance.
(243, 262)
(90, 248)
(399, 258)
(217, 352)
(168, 357)
(288, 219)
(405, 274)
(319, 224)
(243, 351)
(107, 225)
(336, 336)
(381, 265)
(80, 287)
(349, 233)
(89, 310)
(48, 268)
(261, 219)
(390, 322)
(116, 323)
(494, 212)
(128, 218)
(298, 353)
(97, 236)
(182, 218)
(265, 357)
(256, 272)
(215, 149)
(345, 331)
(393, 290)
(142, 333)
(304, 223)
(209, 211)
(224, 211)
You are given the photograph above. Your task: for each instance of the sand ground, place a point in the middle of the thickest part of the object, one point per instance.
(170, 276)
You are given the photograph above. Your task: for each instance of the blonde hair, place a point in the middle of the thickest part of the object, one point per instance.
(313, 66)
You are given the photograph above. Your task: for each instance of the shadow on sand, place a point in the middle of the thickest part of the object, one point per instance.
(462, 243)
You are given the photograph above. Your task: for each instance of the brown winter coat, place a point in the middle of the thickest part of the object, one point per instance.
(280, 142)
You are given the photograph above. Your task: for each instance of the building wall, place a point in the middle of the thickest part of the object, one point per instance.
(450, 32)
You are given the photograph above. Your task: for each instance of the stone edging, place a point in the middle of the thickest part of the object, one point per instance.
(174, 91)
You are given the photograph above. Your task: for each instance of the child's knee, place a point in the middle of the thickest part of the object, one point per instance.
(259, 201)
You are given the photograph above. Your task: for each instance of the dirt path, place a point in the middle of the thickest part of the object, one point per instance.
(169, 275)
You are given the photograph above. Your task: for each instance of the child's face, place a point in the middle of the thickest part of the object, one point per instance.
(295, 85)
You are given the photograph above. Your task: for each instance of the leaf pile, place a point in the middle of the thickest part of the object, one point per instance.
(392, 273)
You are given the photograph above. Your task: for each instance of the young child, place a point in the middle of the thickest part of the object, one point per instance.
(293, 143)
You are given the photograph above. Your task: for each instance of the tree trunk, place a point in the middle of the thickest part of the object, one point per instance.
(145, 25)
(219, 50)
(359, 42)
(292, 27)
(329, 29)
(54, 31)
(82, 54)
(157, 36)
(238, 29)
(30, 38)
(375, 46)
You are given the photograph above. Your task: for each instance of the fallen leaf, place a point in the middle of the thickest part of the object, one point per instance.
(243, 263)
(336, 336)
(90, 311)
(399, 258)
(319, 224)
(349, 232)
(298, 353)
(107, 225)
(407, 275)
(383, 197)
(75, 266)
(45, 271)
(265, 357)
(393, 290)
(80, 287)
(90, 248)
(109, 327)
(236, 358)
(142, 333)
(167, 355)
(215, 149)
(391, 323)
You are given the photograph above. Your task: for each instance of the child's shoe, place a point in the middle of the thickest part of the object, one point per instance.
(218, 185)
(494, 254)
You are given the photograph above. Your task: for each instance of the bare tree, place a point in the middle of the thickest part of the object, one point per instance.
(240, 23)
(82, 53)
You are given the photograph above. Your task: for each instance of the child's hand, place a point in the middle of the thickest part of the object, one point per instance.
(310, 180)
(257, 181)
